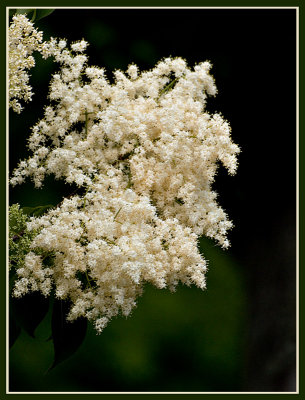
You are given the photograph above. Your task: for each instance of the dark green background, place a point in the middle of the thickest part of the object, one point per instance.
(240, 333)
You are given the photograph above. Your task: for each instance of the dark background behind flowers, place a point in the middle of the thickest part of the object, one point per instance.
(238, 335)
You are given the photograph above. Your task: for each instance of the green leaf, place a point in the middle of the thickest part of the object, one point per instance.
(24, 10)
(33, 13)
(67, 336)
(36, 211)
(42, 13)
(14, 330)
(29, 311)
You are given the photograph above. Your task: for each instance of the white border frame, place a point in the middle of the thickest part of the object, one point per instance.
(297, 204)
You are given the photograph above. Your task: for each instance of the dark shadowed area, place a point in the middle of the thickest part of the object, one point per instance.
(238, 335)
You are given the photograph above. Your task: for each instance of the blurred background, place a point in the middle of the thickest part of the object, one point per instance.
(239, 334)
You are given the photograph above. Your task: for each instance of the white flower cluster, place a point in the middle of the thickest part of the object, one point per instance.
(23, 40)
(144, 151)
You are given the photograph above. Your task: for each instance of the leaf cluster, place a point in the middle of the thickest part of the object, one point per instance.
(29, 311)
(20, 238)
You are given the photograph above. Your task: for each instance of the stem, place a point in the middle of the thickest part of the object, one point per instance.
(117, 213)
(129, 184)
(47, 255)
(86, 121)
(109, 241)
(85, 197)
(88, 280)
(169, 86)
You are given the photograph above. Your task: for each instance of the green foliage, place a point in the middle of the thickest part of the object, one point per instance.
(14, 328)
(43, 13)
(29, 311)
(33, 13)
(36, 211)
(67, 336)
(17, 11)
(20, 238)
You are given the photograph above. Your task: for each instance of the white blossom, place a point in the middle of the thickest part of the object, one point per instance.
(144, 153)
(23, 40)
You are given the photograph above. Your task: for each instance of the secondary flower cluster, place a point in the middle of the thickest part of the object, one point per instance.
(143, 152)
(23, 40)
